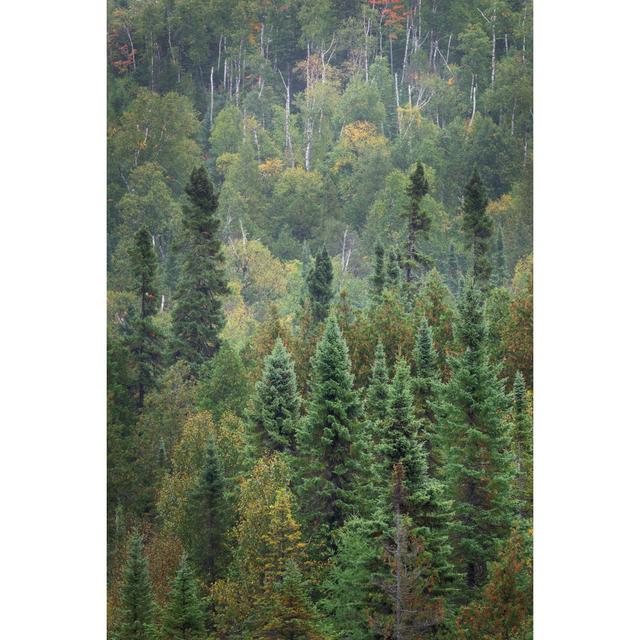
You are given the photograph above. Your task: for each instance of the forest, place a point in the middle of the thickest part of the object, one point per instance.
(319, 320)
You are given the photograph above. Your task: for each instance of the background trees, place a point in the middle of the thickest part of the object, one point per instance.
(295, 193)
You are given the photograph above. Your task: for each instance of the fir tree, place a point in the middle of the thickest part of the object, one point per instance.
(320, 286)
(145, 342)
(276, 402)
(198, 318)
(393, 269)
(329, 441)
(417, 222)
(184, 614)
(379, 278)
(137, 609)
(477, 227)
(427, 375)
(478, 461)
(207, 517)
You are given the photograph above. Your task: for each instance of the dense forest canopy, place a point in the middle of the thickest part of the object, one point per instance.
(319, 319)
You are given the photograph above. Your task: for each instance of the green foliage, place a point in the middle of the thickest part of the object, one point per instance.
(379, 277)
(478, 468)
(184, 614)
(417, 222)
(478, 228)
(136, 614)
(276, 402)
(197, 315)
(329, 438)
(320, 286)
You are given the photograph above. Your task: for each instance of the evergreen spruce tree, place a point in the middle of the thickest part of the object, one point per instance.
(320, 286)
(329, 439)
(137, 609)
(198, 317)
(377, 402)
(417, 222)
(523, 445)
(145, 341)
(393, 269)
(452, 268)
(207, 516)
(184, 614)
(478, 469)
(277, 402)
(478, 228)
(379, 278)
(423, 495)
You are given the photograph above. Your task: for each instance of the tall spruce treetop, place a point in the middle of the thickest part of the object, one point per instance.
(501, 267)
(478, 470)
(452, 268)
(320, 286)
(329, 440)
(137, 609)
(417, 221)
(277, 402)
(184, 615)
(198, 318)
(478, 228)
(379, 278)
(393, 268)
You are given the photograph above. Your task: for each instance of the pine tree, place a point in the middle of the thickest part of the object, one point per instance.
(329, 439)
(198, 318)
(417, 222)
(478, 465)
(137, 609)
(145, 341)
(478, 228)
(184, 614)
(393, 269)
(277, 402)
(379, 278)
(207, 516)
(320, 286)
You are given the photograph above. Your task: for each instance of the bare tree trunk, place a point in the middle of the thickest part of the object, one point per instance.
(395, 75)
(133, 50)
(211, 100)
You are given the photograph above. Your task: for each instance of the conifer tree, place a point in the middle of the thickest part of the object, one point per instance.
(523, 445)
(393, 269)
(207, 516)
(417, 222)
(320, 286)
(452, 268)
(277, 402)
(501, 267)
(423, 495)
(478, 467)
(184, 614)
(145, 341)
(137, 609)
(329, 440)
(379, 278)
(377, 403)
(198, 318)
(427, 375)
(478, 228)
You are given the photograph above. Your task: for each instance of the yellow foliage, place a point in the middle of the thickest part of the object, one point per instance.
(271, 167)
